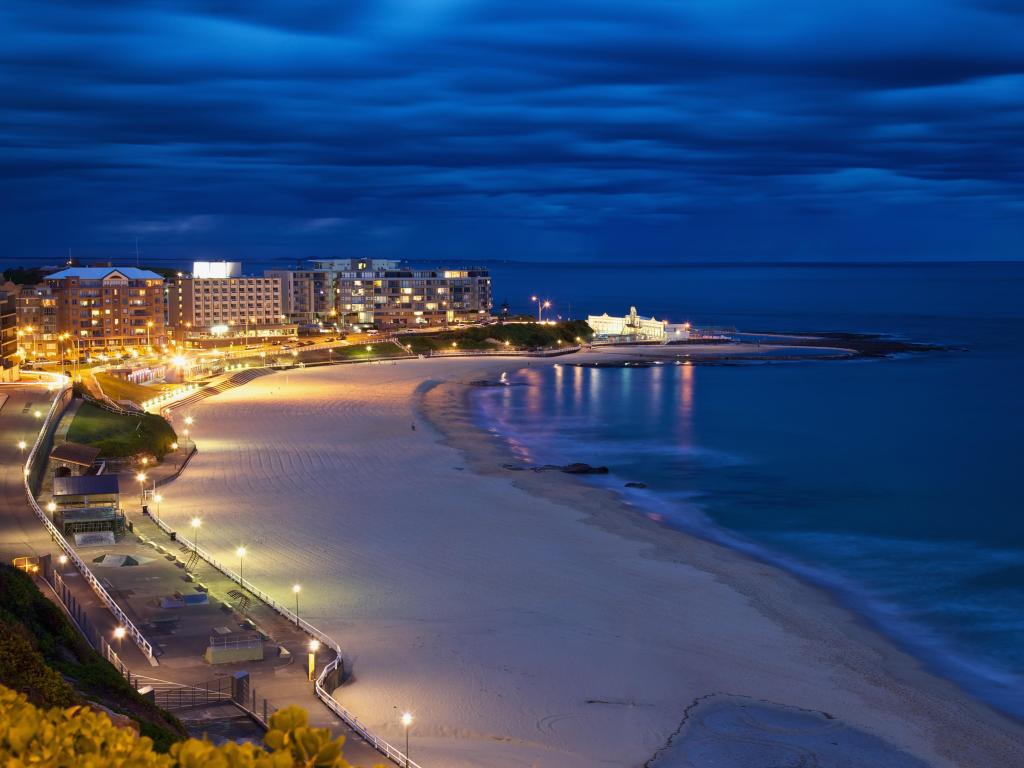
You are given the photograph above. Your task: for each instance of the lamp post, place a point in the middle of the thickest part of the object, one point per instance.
(406, 723)
(241, 558)
(296, 588)
(542, 304)
(157, 498)
(314, 646)
(196, 522)
(141, 477)
(119, 634)
(22, 445)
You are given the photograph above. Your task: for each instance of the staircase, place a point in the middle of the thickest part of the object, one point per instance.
(230, 381)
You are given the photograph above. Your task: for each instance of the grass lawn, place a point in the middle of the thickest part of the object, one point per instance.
(119, 389)
(117, 435)
(518, 336)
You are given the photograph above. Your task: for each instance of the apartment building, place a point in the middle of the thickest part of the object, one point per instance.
(226, 306)
(108, 310)
(307, 295)
(9, 359)
(384, 294)
(37, 322)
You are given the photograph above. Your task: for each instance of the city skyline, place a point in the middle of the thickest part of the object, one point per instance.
(574, 132)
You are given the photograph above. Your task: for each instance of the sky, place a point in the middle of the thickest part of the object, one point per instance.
(549, 130)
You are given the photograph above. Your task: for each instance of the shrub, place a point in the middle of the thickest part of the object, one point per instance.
(79, 736)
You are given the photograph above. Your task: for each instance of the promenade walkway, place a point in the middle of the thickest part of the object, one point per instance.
(179, 635)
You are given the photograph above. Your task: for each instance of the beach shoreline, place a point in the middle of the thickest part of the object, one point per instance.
(487, 613)
(448, 406)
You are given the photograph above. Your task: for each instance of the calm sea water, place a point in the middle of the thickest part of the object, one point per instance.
(897, 483)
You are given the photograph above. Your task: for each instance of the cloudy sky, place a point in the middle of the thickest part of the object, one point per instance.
(639, 130)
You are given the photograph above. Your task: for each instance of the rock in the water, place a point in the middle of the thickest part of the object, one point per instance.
(584, 469)
(636, 485)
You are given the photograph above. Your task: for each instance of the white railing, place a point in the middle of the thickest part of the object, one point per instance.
(322, 693)
(246, 584)
(132, 631)
(388, 750)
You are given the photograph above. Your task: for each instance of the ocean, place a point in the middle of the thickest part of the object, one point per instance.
(895, 483)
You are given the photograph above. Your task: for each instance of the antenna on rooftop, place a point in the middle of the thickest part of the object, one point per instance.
(136, 252)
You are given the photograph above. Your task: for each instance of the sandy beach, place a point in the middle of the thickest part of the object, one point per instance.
(530, 620)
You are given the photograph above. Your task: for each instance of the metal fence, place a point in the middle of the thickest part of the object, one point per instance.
(202, 694)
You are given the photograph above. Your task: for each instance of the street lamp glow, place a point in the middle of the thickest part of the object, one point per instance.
(38, 414)
(189, 420)
(296, 588)
(369, 348)
(51, 507)
(240, 551)
(406, 722)
(63, 559)
(196, 522)
(141, 477)
(179, 361)
(22, 445)
(119, 633)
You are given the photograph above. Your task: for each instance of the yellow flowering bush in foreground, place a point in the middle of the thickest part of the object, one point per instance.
(83, 738)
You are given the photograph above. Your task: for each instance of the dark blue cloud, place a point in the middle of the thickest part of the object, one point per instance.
(653, 129)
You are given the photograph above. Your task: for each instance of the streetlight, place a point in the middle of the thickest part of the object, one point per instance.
(189, 421)
(314, 646)
(241, 557)
(22, 445)
(119, 634)
(196, 522)
(141, 477)
(38, 414)
(51, 507)
(296, 588)
(157, 498)
(406, 723)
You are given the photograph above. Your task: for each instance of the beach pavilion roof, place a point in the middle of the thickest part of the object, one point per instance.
(86, 485)
(75, 453)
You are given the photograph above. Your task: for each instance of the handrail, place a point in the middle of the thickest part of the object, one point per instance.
(386, 749)
(144, 645)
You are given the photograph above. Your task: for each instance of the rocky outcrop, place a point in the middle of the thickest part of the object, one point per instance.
(576, 468)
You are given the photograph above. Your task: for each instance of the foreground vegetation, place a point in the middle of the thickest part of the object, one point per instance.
(119, 435)
(503, 336)
(78, 736)
(44, 658)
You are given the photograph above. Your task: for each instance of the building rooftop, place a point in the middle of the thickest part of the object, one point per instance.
(75, 453)
(86, 485)
(98, 273)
